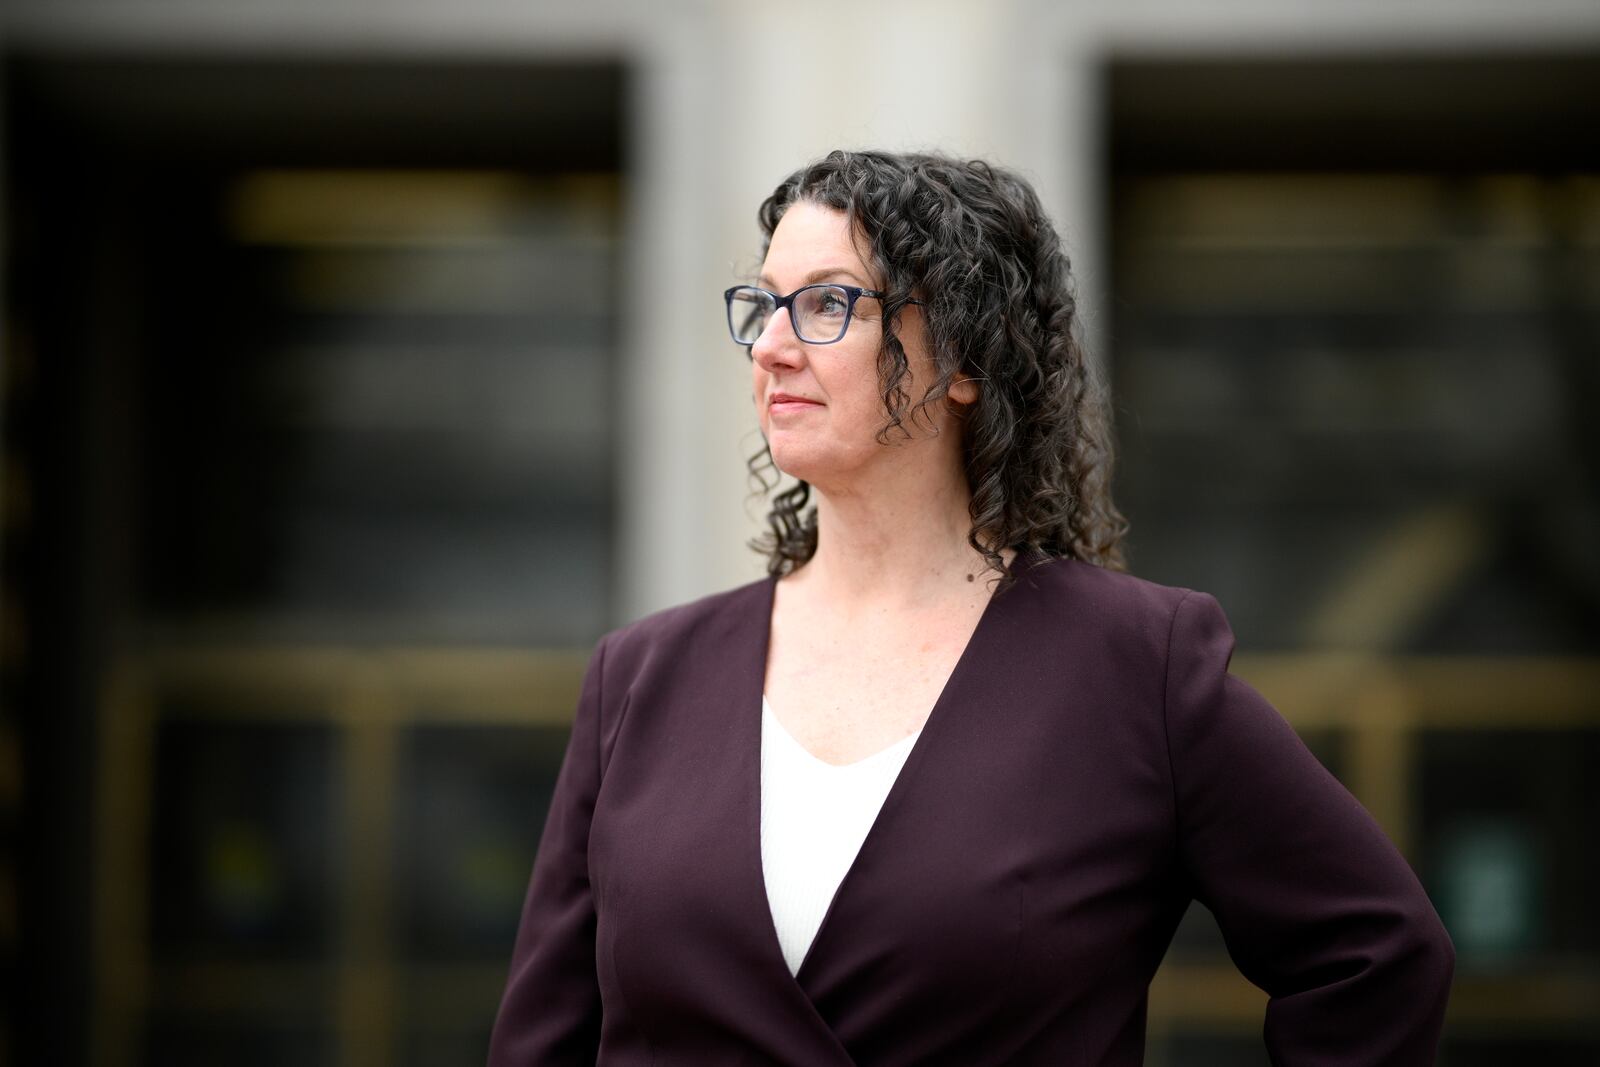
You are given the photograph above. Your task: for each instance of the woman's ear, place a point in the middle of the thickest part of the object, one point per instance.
(963, 390)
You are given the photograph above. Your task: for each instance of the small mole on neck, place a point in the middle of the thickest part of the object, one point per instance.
(969, 578)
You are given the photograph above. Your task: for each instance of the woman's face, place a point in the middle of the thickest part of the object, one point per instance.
(821, 406)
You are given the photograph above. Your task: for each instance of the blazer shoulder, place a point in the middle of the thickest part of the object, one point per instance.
(731, 610)
(1115, 599)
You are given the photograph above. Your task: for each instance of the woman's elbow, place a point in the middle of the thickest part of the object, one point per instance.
(1430, 957)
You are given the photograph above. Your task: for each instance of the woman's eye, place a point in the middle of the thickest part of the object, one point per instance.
(832, 303)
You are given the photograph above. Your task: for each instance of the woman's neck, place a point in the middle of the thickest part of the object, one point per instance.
(902, 549)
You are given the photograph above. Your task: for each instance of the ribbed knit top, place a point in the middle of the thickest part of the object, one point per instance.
(814, 817)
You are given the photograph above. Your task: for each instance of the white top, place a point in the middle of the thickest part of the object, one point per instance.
(814, 817)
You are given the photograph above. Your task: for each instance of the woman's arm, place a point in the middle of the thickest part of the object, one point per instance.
(550, 1013)
(1316, 905)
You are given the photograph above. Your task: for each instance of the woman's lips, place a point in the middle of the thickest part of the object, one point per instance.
(783, 402)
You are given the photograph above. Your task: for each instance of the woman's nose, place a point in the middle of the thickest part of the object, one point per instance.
(777, 345)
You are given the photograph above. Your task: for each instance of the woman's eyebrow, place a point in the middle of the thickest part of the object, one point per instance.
(816, 276)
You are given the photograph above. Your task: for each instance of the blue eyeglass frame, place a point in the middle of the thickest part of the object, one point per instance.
(780, 303)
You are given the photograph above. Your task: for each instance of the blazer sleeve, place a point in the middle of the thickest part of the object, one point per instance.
(550, 1012)
(1316, 905)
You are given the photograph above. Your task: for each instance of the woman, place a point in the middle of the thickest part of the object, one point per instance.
(940, 788)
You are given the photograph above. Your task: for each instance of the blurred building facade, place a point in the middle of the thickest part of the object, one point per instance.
(363, 363)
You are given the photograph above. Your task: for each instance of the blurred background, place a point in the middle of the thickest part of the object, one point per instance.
(364, 361)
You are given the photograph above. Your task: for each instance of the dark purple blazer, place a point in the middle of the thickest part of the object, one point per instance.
(1090, 767)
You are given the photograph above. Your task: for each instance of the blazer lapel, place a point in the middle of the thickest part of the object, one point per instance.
(881, 836)
(944, 732)
(739, 643)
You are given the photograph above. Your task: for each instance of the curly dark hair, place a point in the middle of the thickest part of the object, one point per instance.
(973, 242)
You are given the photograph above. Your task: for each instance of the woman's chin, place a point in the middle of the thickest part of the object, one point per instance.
(791, 466)
(802, 464)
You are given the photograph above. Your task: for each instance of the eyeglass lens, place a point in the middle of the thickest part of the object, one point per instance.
(819, 314)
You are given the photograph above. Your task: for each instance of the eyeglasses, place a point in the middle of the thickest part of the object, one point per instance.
(818, 314)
